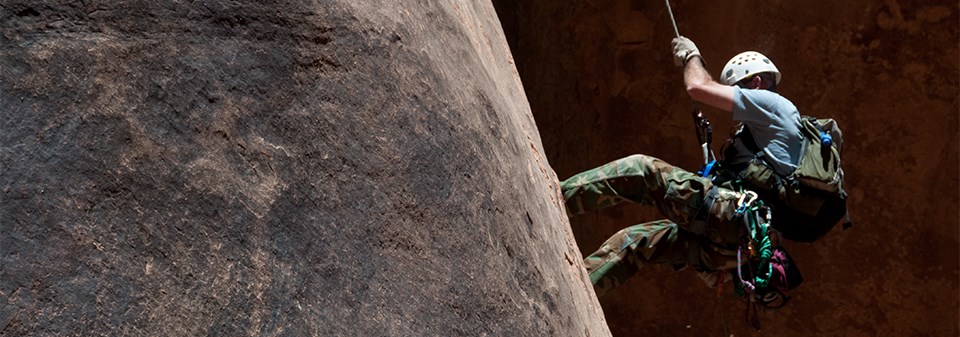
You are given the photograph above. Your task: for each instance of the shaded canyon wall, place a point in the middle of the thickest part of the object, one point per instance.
(275, 168)
(602, 85)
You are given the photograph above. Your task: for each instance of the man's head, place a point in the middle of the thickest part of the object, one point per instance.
(751, 70)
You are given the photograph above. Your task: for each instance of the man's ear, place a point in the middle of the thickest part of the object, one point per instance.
(758, 82)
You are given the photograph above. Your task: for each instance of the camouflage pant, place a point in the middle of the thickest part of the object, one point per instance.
(678, 194)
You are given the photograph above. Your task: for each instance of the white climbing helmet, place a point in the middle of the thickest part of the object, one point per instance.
(747, 64)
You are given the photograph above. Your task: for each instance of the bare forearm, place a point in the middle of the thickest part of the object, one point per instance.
(694, 74)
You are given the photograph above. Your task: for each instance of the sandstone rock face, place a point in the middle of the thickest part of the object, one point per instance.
(602, 85)
(275, 168)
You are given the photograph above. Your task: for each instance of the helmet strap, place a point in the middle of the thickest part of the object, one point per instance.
(772, 81)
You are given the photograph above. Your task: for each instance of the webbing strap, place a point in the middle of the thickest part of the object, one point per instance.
(707, 169)
(699, 223)
(699, 226)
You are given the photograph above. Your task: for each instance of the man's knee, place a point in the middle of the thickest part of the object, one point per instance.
(641, 164)
(638, 160)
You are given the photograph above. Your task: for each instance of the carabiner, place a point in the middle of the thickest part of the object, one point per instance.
(753, 197)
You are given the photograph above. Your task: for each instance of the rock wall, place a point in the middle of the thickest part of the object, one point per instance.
(602, 85)
(275, 167)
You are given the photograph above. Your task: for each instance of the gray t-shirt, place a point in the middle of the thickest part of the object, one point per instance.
(774, 123)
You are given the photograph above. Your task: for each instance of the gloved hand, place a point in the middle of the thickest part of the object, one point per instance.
(683, 50)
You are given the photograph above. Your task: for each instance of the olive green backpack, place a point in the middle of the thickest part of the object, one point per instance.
(811, 200)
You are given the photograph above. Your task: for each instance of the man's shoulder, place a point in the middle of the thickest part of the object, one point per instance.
(768, 99)
(762, 94)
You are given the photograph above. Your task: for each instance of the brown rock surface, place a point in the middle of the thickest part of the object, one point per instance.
(602, 85)
(275, 168)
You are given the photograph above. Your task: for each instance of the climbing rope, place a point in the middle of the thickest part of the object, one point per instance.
(704, 129)
(757, 243)
(764, 279)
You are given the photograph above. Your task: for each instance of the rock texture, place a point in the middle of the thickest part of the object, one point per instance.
(275, 168)
(602, 85)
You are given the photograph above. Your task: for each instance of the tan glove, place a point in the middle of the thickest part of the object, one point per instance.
(683, 50)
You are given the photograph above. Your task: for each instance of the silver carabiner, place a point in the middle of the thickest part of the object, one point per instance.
(743, 202)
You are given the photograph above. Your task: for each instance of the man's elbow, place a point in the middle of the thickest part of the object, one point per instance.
(697, 91)
(712, 94)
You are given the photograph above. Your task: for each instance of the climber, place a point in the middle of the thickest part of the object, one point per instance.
(714, 224)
